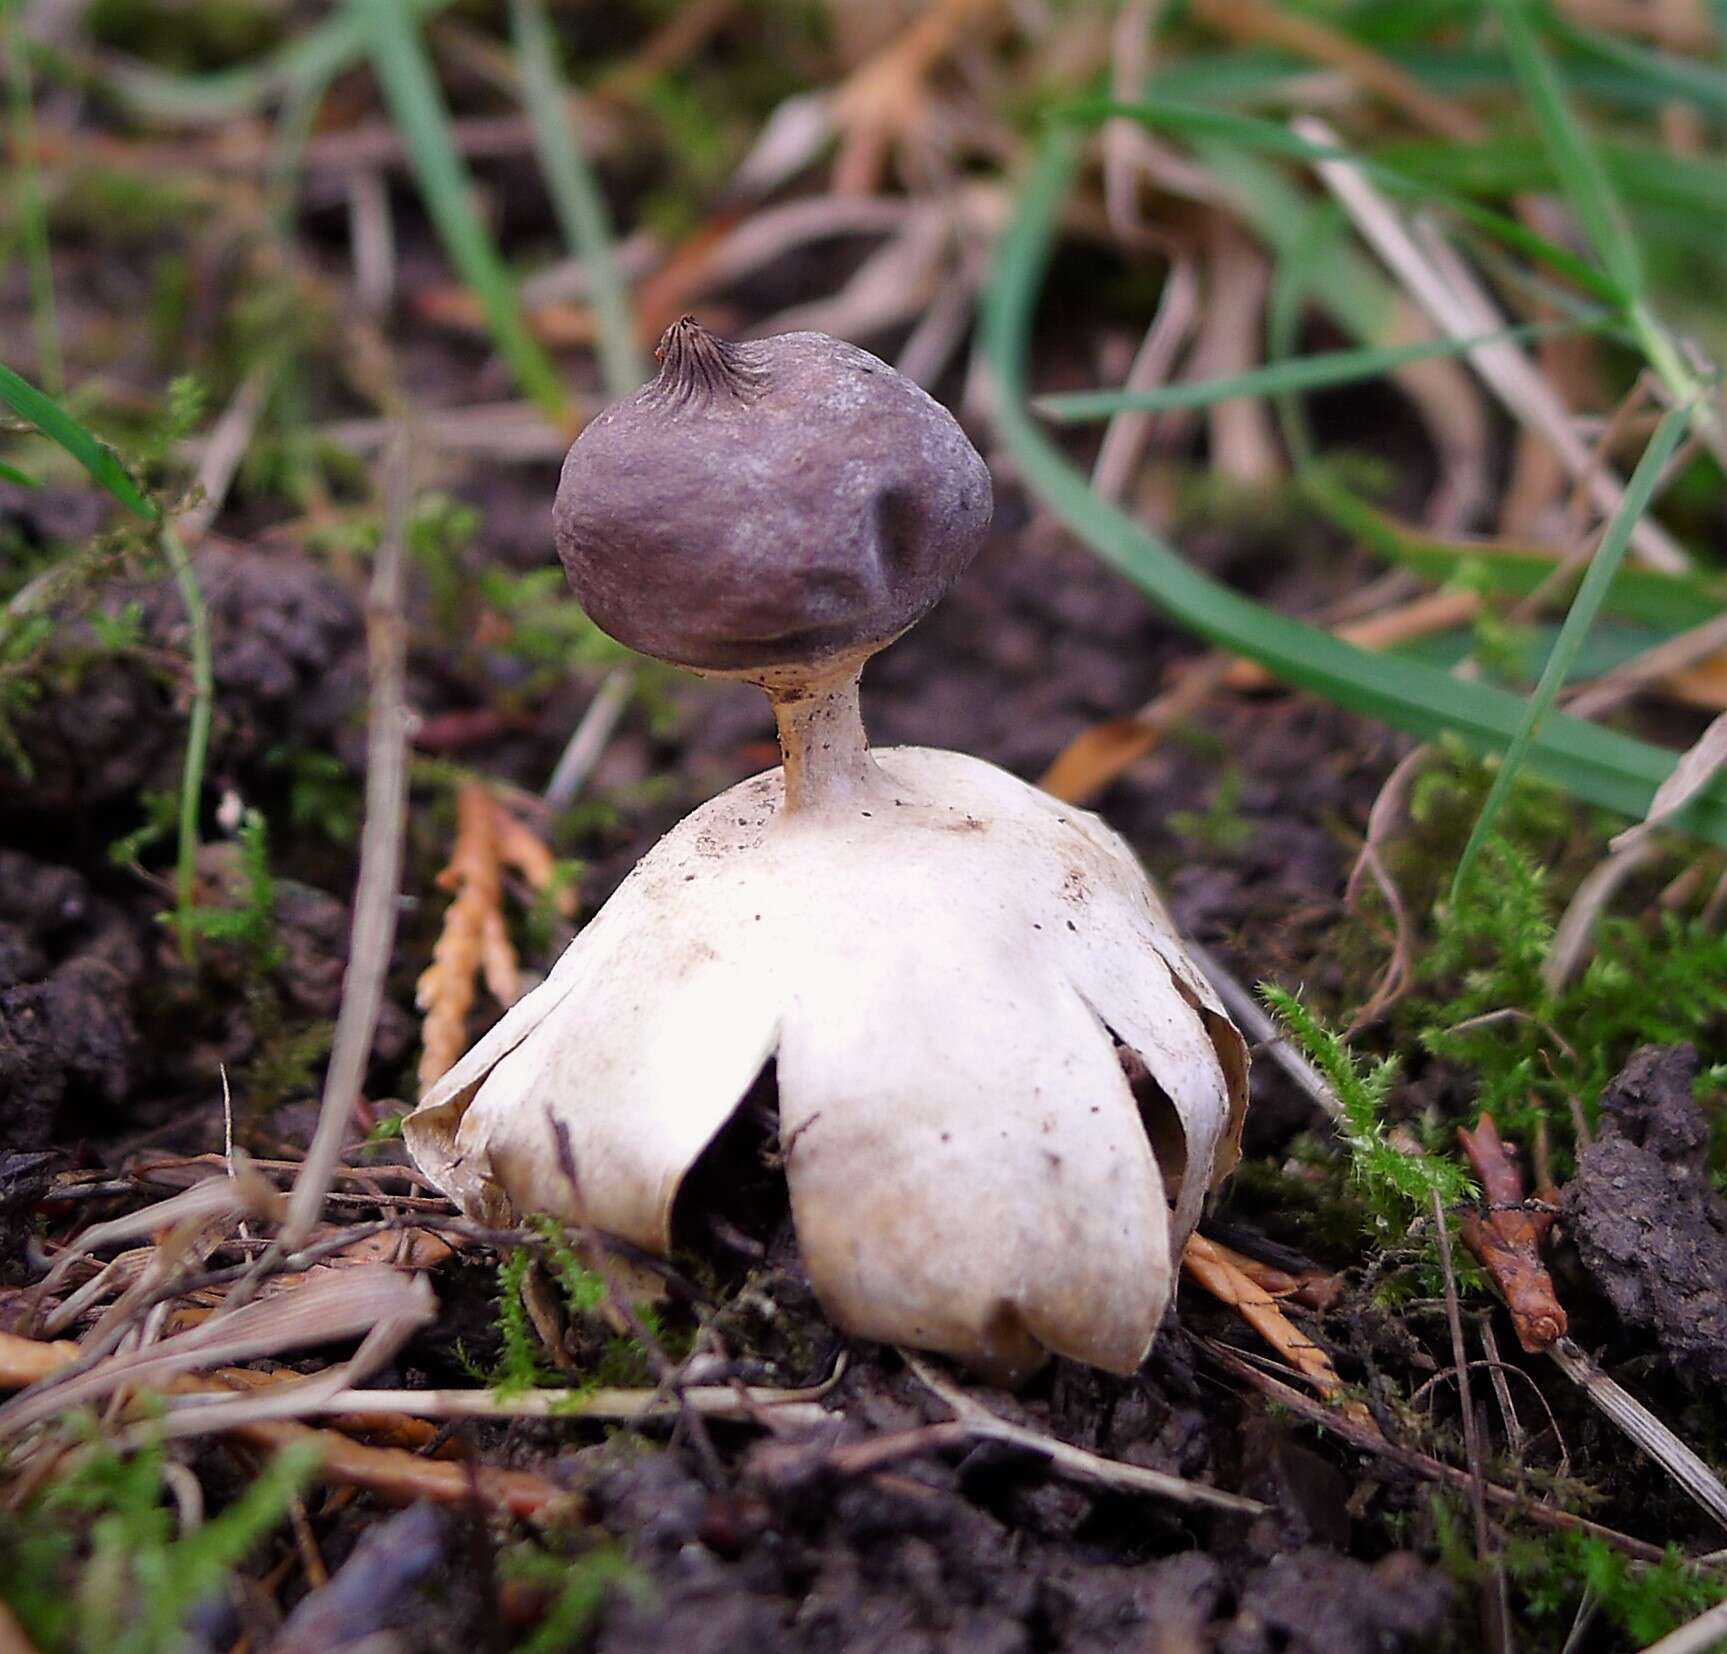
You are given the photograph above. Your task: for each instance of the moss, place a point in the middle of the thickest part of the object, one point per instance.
(97, 1558)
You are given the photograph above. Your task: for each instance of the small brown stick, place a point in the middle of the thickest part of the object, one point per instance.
(1072, 1461)
(1312, 1287)
(1493, 1605)
(1507, 1240)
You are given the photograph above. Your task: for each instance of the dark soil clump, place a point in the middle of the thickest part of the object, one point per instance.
(1646, 1221)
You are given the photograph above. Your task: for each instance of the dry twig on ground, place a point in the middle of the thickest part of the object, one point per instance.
(1506, 1238)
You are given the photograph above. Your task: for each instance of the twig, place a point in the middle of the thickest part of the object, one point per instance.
(1263, 1033)
(1506, 1238)
(1316, 1412)
(197, 734)
(1493, 1599)
(379, 880)
(622, 1406)
(592, 733)
(1075, 1461)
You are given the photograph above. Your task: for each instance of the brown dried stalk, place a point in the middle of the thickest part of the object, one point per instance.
(1213, 1268)
(386, 1470)
(1506, 1240)
(475, 942)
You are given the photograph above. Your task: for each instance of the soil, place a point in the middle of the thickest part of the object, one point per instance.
(1648, 1224)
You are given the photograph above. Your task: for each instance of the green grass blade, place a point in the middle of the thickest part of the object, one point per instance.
(103, 464)
(1663, 75)
(197, 737)
(417, 106)
(1581, 616)
(1307, 373)
(576, 197)
(1598, 765)
(20, 479)
(1582, 177)
(1668, 602)
(314, 56)
(1250, 132)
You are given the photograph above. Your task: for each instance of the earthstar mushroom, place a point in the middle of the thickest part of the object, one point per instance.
(1004, 1090)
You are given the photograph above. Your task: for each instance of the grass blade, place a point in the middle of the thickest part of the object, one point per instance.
(1250, 132)
(1665, 76)
(1581, 616)
(310, 58)
(20, 479)
(1582, 177)
(1598, 765)
(103, 464)
(576, 197)
(417, 106)
(1307, 373)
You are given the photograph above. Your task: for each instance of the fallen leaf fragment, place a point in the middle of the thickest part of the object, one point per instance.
(1506, 1239)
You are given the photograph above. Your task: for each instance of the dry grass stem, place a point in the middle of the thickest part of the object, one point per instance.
(1071, 1461)
(1576, 928)
(614, 1406)
(1699, 1636)
(1264, 1035)
(379, 882)
(1680, 1462)
(1457, 305)
(323, 1311)
(588, 741)
(1211, 1267)
(1493, 1604)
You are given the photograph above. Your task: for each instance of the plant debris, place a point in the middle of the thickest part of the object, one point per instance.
(1648, 1224)
(1506, 1237)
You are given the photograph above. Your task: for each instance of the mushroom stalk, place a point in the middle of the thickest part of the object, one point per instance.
(827, 756)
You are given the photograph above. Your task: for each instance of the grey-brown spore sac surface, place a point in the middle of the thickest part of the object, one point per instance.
(768, 503)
